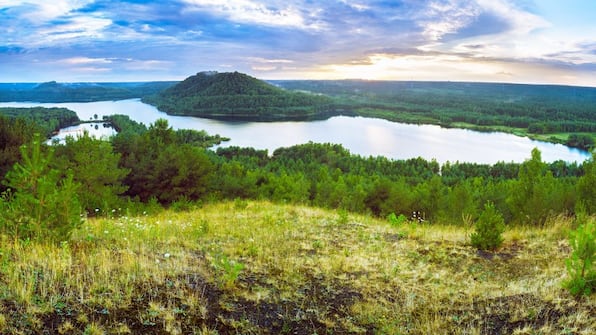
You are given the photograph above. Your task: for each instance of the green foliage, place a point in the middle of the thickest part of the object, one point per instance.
(481, 106)
(94, 165)
(395, 220)
(14, 132)
(580, 264)
(489, 229)
(162, 168)
(238, 96)
(80, 92)
(124, 125)
(536, 195)
(581, 141)
(329, 176)
(586, 186)
(48, 119)
(39, 204)
(228, 270)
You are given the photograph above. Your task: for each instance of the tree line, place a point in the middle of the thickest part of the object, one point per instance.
(160, 165)
(533, 109)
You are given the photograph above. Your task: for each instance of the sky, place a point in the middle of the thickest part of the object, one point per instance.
(518, 41)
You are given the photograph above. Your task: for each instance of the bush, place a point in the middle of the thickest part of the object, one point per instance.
(38, 204)
(489, 229)
(395, 220)
(580, 264)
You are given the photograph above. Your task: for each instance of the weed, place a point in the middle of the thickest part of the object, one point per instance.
(94, 329)
(342, 216)
(227, 269)
(395, 220)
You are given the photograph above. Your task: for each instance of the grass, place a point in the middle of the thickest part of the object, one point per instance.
(262, 268)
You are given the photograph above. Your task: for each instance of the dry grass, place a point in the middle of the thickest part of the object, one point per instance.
(261, 268)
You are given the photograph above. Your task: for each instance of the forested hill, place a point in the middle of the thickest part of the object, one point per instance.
(78, 92)
(237, 96)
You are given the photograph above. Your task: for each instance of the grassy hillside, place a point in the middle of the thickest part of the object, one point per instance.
(237, 96)
(261, 268)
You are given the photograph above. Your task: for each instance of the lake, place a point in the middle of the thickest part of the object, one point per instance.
(362, 136)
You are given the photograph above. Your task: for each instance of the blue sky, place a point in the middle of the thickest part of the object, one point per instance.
(522, 41)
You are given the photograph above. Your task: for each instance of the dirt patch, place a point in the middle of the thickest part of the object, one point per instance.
(392, 238)
(506, 253)
(319, 306)
(506, 314)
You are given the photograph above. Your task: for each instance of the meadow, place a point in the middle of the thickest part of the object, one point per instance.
(256, 267)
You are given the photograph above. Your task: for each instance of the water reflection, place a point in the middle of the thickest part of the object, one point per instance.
(363, 136)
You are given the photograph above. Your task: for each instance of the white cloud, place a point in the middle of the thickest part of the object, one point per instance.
(42, 10)
(265, 60)
(522, 22)
(148, 65)
(445, 17)
(73, 28)
(248, 11)
(85, 61)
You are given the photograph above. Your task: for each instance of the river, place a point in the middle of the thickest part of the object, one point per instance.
(362, 136)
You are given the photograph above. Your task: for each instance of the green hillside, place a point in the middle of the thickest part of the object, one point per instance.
(245, 267)
(237, 96)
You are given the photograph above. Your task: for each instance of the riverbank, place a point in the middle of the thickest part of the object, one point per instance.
(555, 138)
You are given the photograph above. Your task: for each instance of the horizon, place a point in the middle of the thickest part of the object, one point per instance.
(303, 79)
(534, 42)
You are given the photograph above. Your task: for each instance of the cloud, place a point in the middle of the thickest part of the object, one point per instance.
(266, 61)
(85, 60)
(471, 39)
(253, 12)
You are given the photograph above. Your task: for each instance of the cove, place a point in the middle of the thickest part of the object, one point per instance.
(361, 136)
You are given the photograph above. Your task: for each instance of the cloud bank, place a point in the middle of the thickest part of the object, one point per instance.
(134, 40)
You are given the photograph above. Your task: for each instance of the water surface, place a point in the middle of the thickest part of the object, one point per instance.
(362, 136)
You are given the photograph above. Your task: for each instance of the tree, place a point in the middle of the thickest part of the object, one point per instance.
(580, 264)
(162, 168)
(14, 132)
(586, 186)
(180, 171)
(94, 166)
(533, 197)
(39, 203)
(489, 229)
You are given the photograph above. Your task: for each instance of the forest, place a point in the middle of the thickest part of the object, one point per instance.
(157, 164)
(78, 92)
(50, 120)
(559, 114)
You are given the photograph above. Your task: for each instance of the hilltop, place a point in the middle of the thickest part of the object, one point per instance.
(237, 96)
(251, 267)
